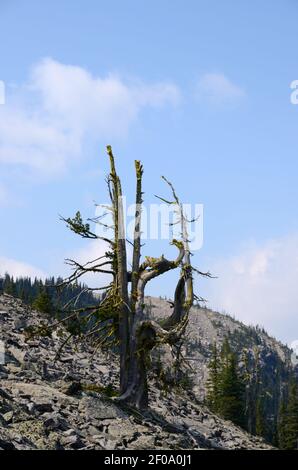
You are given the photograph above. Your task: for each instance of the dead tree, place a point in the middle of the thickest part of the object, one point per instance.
(120, 316)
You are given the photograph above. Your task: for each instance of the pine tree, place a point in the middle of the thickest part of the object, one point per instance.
(288, 424)
(225, 387)
(225, 351)
(212, 397)
(292, 417)
(231, 390)
(28, 291)
(281, 424)
(43, 302)
(9, 285)
(260, 418)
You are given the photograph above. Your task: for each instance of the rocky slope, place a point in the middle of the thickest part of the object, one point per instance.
(207, 327)
(50, 402)
(266, 359)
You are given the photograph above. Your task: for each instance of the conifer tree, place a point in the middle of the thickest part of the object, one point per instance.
(231, 390)
(28, 291)
(260, 418)
(212, 397)
(225, 388)
(288, 422)
(9, 286)
(281, 424)
(43, 302)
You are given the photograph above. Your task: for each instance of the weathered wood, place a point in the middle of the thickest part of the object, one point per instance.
(144, 333)
(137, 235)
(121, 277)
(123, 312)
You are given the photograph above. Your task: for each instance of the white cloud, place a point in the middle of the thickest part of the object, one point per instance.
(259, 286)
(216, 88)
(28, 140)
(45, 122)
(19, 269)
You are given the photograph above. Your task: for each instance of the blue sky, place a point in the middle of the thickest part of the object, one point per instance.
(199, 91)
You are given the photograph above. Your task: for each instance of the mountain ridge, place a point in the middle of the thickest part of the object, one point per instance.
(265, 359)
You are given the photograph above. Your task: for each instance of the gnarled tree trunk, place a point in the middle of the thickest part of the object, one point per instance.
(124, 312)
(121, 273)
(145, 334)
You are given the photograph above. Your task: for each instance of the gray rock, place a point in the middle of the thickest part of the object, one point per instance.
(4, 394)
(54, 422)
(45, 404)
(8, 417)
(43, 407)
(74, 441)
(19, 323)
(99, 409)
(6, 444)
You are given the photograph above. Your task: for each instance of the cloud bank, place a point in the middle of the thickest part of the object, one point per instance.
(46, 121)
(19, 269)
(218, 89)
(259, 286)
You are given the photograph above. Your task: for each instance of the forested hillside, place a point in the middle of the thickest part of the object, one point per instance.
(49, 296)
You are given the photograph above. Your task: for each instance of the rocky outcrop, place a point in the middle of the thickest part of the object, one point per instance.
(264, 356)
(64, 400)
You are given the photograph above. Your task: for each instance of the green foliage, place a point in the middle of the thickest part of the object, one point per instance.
(216, 323)
(281, 425)
(231, 391)
(261, 428)
(7, 285)
(213, 381)
(43, 302)
(32, 331)
(186, 381)
(288, 420)
(225, 388)
(76, 224)
(28, 290)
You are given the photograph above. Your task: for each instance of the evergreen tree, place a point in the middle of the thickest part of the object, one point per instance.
(260, 418)
(225, 387)
(29, 290)
(212, 397)
(288, 422)
(281, 424)
(225, 352)
(231, 390)
(9, 285)
(43, 302)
